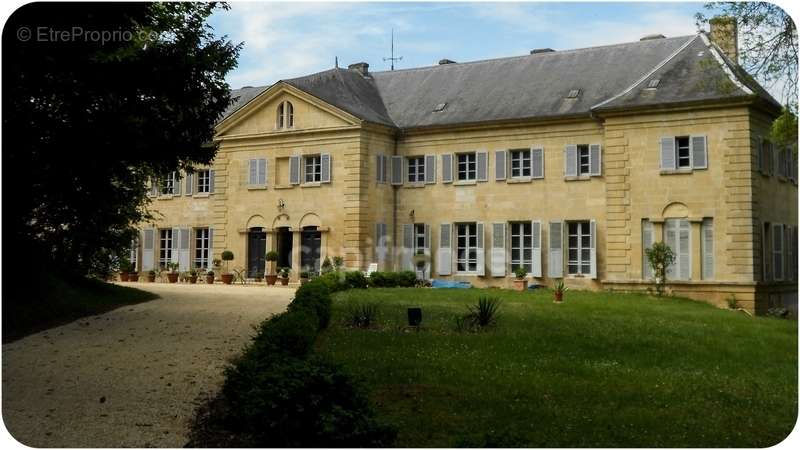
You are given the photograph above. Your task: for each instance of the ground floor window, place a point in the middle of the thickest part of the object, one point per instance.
(677, 235)
(201, 248)
(467, 247)
(522, 246)
(134, 254)
(777, 251)
(164, 248)
(579, 241)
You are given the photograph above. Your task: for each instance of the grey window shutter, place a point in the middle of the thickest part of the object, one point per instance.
(447, 168)
(176, 234)
(708, 249)
(595, 160)
(380, 244)
(555, 260)
(571, 161)
(500, 168)
(444, 258)
(671, 239)
(593, 249)
(325, 167)
(668, 153)
(148, 249)
(481, 257)
(406, 258)
(757, 155)
(379, 169)
(647, 243)
(699, 152)
(684, 250)
(262, 172)
(536, 255)
(397, 170)
(210, 244)
(211, 181)
(253, 165)
(537, 162)
(430, 169)
(189, 183)
(498, 252)
(294, 169)
(176, 183)
(183, 248)
(427, 251)
(482, 161)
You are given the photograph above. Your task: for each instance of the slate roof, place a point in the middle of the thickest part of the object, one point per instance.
(689, 68)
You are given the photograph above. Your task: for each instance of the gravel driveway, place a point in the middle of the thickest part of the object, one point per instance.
(130, 377)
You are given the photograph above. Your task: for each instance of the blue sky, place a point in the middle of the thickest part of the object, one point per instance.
(285, 40)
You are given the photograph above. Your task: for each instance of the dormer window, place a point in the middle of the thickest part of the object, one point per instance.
(285, 116)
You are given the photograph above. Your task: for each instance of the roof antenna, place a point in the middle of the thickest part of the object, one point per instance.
(336, 64)
(392, 58)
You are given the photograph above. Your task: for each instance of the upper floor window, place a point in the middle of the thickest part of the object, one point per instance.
(203, 181)
(312, 167)
(285, 116)
(520, 163)
(582, 160)
(416, 169)
(684, 153)
(466, 169)
(167, 186)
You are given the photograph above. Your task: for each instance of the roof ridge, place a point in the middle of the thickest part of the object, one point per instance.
(553, 53)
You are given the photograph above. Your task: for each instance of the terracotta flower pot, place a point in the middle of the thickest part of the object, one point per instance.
(284, 281)
(133, 276)
(559, 297)
(193, 279)
(271, 279)
(172, 277)
(520, 284)
(123, 276)
(227, 278)
(151, 278)
(210, 279)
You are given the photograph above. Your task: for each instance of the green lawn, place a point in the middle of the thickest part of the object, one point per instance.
(48, 301)
(600, 369)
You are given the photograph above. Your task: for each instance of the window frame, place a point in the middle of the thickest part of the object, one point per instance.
(165, 239)
(470, 160)
(523, 164)
(166, 186)
(417, 169)
(203, 181)
(467, 255)
(523, 231)
(579, 164)
(202, 249)
(315, 162)
(687, 148)
(579, 263)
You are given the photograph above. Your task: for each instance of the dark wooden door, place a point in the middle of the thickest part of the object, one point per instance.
(256, 253)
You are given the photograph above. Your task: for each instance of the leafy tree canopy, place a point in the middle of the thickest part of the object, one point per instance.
(97, 99)
(767, 43)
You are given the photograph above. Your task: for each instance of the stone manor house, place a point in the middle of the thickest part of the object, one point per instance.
(567, 163)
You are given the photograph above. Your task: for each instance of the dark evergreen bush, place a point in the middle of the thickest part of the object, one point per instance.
(404, 278)
(355, 280)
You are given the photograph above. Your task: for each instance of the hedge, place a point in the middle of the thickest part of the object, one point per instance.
(279, 394)
(404, 278)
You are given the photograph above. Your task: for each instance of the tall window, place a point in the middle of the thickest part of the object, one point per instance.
(203, 181)
(419, 237)
(168, 184)
(416, 169)
(164, 247)
(683, 155)
(521, 246)
(134, 254)
(521, 163)
(285, 116)
(201, 248)
(289, 112)
(584, 160)
(466, 166)
(579, 243)
(313, 169)
(467, 247)
(677, 235)
(777, 251)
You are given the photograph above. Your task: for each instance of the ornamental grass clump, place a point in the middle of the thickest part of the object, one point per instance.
(480, 316)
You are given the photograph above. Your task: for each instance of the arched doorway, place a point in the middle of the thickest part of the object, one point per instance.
(256, 252)
(311, 245)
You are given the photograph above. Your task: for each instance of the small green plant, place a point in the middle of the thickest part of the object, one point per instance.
(272, 255)
(125, 266)
(284, 272)
(192, 272)
(327, 266)
(520, 272)
(732, 302)
(216, 262)
(484, 313)
(152, 273)
(559, 287)
(227, 256)
(362, 315)
(172, 267)
(660, 256)
(210, 273)
(338, 263)
(305, 274)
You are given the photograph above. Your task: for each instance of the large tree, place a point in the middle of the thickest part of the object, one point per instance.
(97, 99)
(767, 44)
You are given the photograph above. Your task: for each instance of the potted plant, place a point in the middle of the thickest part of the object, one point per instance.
(151, 276)
(520, 283)
(210, 277)
(193, 276)
(133, 275)
(272, 258)
(558, 291)
(227, 277)
(124, 270)
(285, 275)
(172, 275)
(304, 277)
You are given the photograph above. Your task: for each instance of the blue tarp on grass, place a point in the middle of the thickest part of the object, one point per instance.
(446, 284)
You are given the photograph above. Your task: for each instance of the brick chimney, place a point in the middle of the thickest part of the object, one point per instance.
(725, 35)
(360, 67)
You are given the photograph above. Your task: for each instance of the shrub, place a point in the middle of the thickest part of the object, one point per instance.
(732, 302)
(355, 280)
(405, 278)
(483, 314)
(292, 333)
(326, 267)
(316, 297)
(660, 256)
(272, 255)
(520, 272)
(338, 263)
(362, 315)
